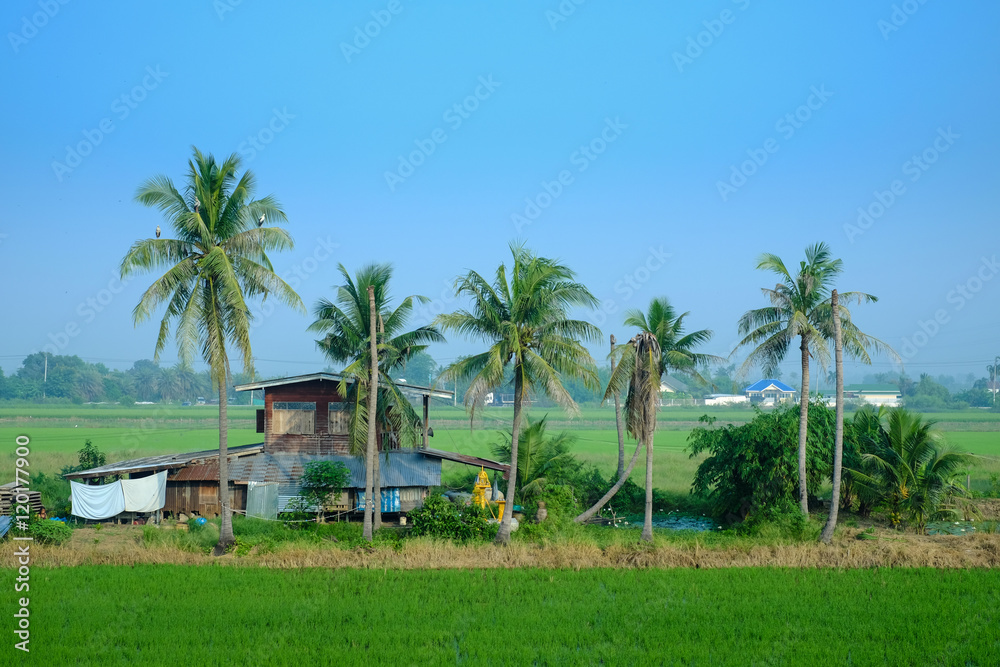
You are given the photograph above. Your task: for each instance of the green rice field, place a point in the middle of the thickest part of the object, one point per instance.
(168, 615)
(58, 432)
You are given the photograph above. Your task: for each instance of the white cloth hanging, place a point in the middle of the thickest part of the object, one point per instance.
(97, 502)
(146, 494)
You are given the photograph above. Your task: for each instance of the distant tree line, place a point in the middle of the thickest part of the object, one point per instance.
(63, 378)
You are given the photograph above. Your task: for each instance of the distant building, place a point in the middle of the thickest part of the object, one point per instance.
(769, 392)
(875, 394)
(725, 399)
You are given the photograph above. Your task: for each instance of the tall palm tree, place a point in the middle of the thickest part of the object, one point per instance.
(676, 347)
(639, 370)
(675, 353)
(217, 263)
(838, 436)
(541, 458)
(345, 321)
(524, 319)
(800, 309)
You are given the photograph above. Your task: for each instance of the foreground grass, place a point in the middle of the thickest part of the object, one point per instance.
(172, 614)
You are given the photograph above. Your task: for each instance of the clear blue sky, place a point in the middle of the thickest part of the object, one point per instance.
(832, 100)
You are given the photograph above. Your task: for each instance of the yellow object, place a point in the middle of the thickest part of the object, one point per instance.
(479, 491)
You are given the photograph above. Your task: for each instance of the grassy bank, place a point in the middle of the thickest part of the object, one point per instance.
(529, 616)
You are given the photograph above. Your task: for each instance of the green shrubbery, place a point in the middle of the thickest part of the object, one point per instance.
(439, 517)
(48, 531)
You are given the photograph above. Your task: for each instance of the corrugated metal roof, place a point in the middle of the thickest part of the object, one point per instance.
(162, 462)
(401, 469)
(334, 377)
(468, 460)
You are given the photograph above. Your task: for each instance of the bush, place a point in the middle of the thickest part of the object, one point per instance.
(439, 517)
(753, 468)
(48, 531)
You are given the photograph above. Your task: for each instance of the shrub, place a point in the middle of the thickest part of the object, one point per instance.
(441, 518)
(753, 468)
(47, 531)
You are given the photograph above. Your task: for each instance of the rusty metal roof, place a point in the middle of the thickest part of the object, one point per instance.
(468, 459)
(163, 462)
(406, 388)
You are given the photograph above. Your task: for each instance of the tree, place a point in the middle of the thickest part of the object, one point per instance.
(838, 439)
(347, 323)
(524, 319)
(215, 265)
(750, 473)
(799, 309)
(907, 466)
(676, 347)
(320, 480)
(639, 370)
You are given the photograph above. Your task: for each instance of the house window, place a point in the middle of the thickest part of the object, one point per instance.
(340, 419)
(297, 418)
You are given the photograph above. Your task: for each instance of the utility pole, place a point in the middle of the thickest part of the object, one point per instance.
(996, 362)
(45, 377)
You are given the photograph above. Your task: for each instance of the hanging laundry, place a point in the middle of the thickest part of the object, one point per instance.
(97, 502)
(146, 494)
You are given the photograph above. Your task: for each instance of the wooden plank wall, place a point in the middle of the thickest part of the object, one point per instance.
(321, 441)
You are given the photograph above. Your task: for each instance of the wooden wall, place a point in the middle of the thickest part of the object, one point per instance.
(321, 441)
(201, 498)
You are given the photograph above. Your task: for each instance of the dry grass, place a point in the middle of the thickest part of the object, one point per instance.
(124, 546)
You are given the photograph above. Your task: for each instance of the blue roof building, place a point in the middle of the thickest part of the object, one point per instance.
(769, 391)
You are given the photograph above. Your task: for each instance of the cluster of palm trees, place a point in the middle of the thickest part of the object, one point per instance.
(218, 265)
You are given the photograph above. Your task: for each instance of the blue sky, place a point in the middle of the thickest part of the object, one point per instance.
(689, 138)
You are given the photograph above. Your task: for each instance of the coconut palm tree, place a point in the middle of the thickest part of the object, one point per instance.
(838, 437)
(215, 267)
(639, 371)
(523, 317)
(800, 309)
(906, 464)
(676, 347)
(676, 353)
(345, 321)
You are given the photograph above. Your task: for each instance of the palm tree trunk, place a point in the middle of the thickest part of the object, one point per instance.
(226, 538)
(614, 489)
(647, 523)
(503, 534)
(621, 432)
(803, 426)
(838, 437)
(372, 406)
(377, 489)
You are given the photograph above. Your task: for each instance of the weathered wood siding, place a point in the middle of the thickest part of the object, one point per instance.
(321, 441)
(201, 498)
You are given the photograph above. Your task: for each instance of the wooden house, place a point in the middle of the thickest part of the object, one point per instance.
(304, 419)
